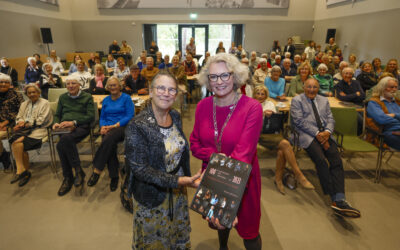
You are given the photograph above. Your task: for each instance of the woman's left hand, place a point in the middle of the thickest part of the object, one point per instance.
(215, 222)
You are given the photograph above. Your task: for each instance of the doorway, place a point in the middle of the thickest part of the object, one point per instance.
(199, 33)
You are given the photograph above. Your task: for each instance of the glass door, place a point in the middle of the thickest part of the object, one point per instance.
(200, 35)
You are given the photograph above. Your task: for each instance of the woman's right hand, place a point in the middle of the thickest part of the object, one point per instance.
(189, 181)
(56, 125)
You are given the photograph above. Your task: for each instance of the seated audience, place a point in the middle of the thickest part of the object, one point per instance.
(272, 58)
(48, 80)
(353, 63)
(338, 76)
(261, 73)
(75, 111)
(285, 151)
(140, 56)
(117, 110)
(111, 63)
(34, 113)
(10, 102)
(331, 46)
(134, 82)
(191, 47)
(153, 48)
(296, 61)
(240, 53)
(289, 47)
(288, 73)
(142, 63)
(39, 63)
(114, 48)
(121, 71)
(55, 62)
(178, 71)
(74, 67)
(278, 60)
(265, 56)
(208, 54)
(317, 60)
(392, 67)
(165, 64)
(349, 90)
(91, 61)
(179, 54)
(190, 70)
(149, 72)
(276, 48)
(5, 68)
(325, 80)
(127, 50)
(329, 65)
(247, 88)
(98, 82)
(384, 109)
(83, 76)
(367, 77)
(220, 48)
(253, 62)
(313, 119)
(339, 54)
(310, 51)
(377, 67)
(233, 49)
(98, 61)
(159, 60)
(32, 72)
(336, 63)
(297, 83)
(275, 84)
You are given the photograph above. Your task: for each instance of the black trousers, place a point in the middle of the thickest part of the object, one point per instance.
(331, 176)
(68, 151)
(107, 152)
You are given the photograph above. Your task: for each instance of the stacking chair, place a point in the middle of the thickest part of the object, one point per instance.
(54, 94)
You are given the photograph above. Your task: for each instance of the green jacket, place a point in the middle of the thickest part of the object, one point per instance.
(80, 109)
(296, 86)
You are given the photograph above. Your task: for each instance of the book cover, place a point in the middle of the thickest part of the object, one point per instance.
(221, 189)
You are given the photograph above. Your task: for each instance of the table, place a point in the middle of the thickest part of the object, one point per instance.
(333, 103)
(137, 99)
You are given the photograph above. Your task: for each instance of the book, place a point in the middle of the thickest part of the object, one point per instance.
(221, 189)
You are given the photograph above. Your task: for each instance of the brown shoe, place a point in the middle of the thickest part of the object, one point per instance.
(305, 183)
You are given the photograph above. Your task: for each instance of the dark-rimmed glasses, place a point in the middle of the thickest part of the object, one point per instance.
(224, 77)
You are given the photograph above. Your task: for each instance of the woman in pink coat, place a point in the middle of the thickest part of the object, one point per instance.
(230, 123)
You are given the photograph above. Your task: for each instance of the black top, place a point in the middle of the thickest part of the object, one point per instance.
(153, 49)
(12, 73)
(134, 85)
(113, 48)
(289, 48)
(94, 90)
(350, 91)
(367, 80)
(45, 84)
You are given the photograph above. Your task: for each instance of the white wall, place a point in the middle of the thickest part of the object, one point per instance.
(34, 7)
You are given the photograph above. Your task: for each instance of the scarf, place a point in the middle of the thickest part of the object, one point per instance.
(99, 81)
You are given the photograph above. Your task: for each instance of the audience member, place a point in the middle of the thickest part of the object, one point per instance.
(325, 80)
(39, 63)
(296, 61)
(134, 81)
(313, 119)
(153, 48)
(353, 63)
(117, 110)
(178, 71)
(142, 63)
(275, 84)
(272, 58)
(310, 51)
(349, 90)
(8, 70)
(253, 62)
(190, 70)
(83, 76)
(121, 71)
(297, 83)
(34, 114)
(33, 71)
(331, 46)
(98, 61)
(336, 64)
(261, 73)
(149, 72)
(208, 54)
(233, 49)
(111, 63)
(288, 73)
(384, 111)
(55, 62)
(276, 48)
(114, 48)
(127, 51)
(75, 111)
(377, 67)
(159, 60)
(191, 47)
(98, 82)
(240, 52)
(367, 78)
(338, 76)
(392, 67)
(278, 61)
(74, 67)
(329, 65)
(220, 48)
(339, 54)
(48, 80)
(289, 47)
(165, 64)
(317, 61)
(10, 102)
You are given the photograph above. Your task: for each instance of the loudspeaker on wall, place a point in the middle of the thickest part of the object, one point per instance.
(46, 35)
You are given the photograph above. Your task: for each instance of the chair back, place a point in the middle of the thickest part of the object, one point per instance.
(345, 120)
(54, 93)
(53, 107)
(96, 115)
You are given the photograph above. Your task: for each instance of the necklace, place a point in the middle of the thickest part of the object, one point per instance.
(218, 136)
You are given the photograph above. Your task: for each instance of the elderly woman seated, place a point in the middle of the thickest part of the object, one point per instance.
(33, 117)
(98, 82)
(75, 112)
(74, 66)
(288, 72)
(285, 151)
(5, 68)
(32, 72)
(392, 67)
(111, 63)
(83, 75)
(121, 71)
(261, 73)
(117, 110)
(97, 60)
(384, 110)
(325, 80)
(10, 101)
(48, 80)
(297, 83)
(275, 84)
(367, 78)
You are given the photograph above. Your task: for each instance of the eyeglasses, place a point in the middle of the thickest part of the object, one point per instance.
(161, 90)
(224, 77)
(4, 82)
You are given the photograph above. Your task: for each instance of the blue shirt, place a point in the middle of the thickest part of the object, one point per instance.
(389, 123)
(163, 65)
(275, 88)
(120, 110)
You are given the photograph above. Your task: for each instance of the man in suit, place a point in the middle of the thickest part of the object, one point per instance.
(313, 119)
(289, 47)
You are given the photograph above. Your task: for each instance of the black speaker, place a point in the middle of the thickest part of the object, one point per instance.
(330, 33)
(46, 35)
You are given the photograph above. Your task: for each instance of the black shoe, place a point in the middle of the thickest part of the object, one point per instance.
(65, 186)
(94, 178)
(79, 177)
(5, 159)
(25, 176)
(114, 184)
(16, 178)
(344, 209)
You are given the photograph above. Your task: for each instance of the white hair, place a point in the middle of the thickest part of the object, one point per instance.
(4, 77)
(297, 55)
(287, 54)
(322, 66)
(262, 60)
(287, 60)
(276, 68)
(72, 78)
(342, 63)
(30, 59)
(264, 55)
(278, 57)
(382, 84)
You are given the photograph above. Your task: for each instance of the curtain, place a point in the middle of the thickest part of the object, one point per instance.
(237, 34)
(149, 35)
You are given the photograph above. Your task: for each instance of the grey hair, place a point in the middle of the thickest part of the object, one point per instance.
(253, 52)
(244, 60)
(273, 52)
(32, 85)
(98, 66)
(352, 70)
(276, 68)
(45, 65)
(4, 77)
(381, 86)
(287, 60)
(166, 73)
(262, 60)
(30, 59)
(297, 55)
(113, 78)
(342, 63)
(288, 54)
(277, 56)
(73, 78)
(149, 57)
(239, 70)
(322, 66)
(264, 54)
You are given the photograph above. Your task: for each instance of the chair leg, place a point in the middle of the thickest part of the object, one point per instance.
(53, 155)
(378, 167)
(390, 156)
(92, 143)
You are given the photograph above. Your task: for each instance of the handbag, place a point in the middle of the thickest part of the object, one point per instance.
(21, 132)
(273, 124)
